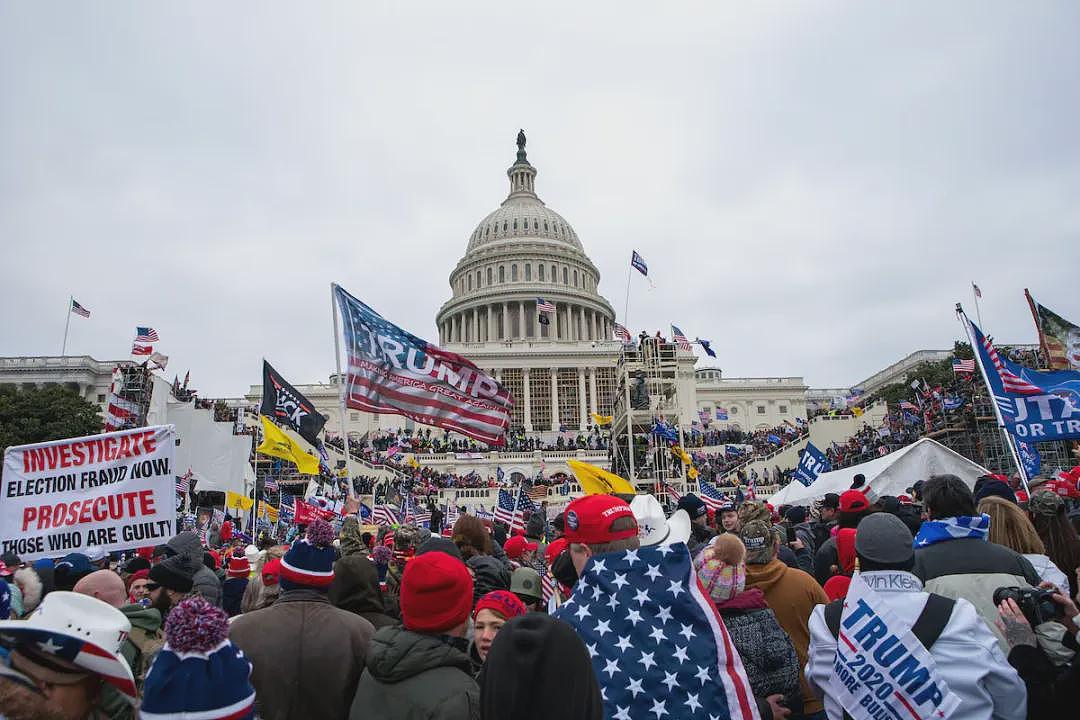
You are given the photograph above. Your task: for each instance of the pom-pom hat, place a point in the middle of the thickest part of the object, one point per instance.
(436, 593)
(78, 630)
(199, 674)
(310, 562)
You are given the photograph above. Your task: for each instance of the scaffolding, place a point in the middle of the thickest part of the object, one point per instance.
(133, 385)
(646, 391)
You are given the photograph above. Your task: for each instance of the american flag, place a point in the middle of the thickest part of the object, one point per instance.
(538, 492)
(910, 407)
(622, 334)
(385, 515)
(142, 349)
(963, 366)
(420, 381)
(978, 292)
(120, 413)
(270, 484)
(710, 495)
(543, 306)
(451, 515)
(79, 309)
(547, 585)
(183, 483)
(669, 654)
(287, 507)
(505, 510)
(146, 335)
(1010, 381)
(679, 338)
(672, 492)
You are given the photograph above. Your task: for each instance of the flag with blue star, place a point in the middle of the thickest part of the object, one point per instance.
(658, 647)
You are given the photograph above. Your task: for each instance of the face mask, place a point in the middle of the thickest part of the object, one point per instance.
(563, 569)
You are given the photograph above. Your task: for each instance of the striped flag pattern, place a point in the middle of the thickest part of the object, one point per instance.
(710, 495)
(120, 413)
(622, 334)
(963, 366)
(141, 349)
(672, 492)
(544, 306)
(679, 338)
(1010, 381)
(79, 309)
(505, 510)
(385, 515)
(146, 335)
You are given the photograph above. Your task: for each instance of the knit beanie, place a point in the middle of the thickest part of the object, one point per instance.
(436, 593)
(310, 562)
(271, 571)
(239, 567)
(199, 673)
(721, 567)
(173, 573)
(503, 602)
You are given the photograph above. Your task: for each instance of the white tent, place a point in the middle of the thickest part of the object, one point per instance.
(889, 474)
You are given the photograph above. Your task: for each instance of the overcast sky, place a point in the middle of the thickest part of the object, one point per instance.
(814, 185)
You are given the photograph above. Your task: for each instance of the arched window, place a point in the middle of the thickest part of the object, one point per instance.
(575, 278)
(528, 271)
(477, 279)
(504, 226)
(540, 270)
(565, 275)
(536, 224)
(515, 223)
(545, 226)
(513, 273)
(502, 273)
(469, 278)
(489, 276)
(554, 275)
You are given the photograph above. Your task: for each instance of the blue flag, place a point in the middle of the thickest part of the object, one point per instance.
(638, 263)
(705, 345)
(1034, 405)
(952, 403)
(775, 439)
(665, 431)
(812, 463)
(657, 644)
(733, 450)
(1029, 457)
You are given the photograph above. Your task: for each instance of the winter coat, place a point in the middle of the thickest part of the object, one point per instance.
(766, 651)
(488, 574)
(972, 569)
(232, 595)
(966, 659)
(410, 676)
(306, 655)
(792, 595)
(140, 648)
(1053, 692)
(805, 532)
(356, 589)
(1048, 571)
(700, 536)
(206, 582)
(824, 559)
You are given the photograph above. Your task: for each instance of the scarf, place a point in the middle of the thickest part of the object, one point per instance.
(952, 528)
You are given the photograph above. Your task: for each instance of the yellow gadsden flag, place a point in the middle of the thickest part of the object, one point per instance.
(602, 420)
(237, 501)
(597, 481)
(277, 444)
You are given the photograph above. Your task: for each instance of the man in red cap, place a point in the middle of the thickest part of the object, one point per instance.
(520, 551)
(598, 524)
(853, 507)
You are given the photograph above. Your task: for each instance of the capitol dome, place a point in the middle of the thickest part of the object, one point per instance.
(520, 255)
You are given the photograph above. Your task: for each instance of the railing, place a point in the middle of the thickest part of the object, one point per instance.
(535, 455)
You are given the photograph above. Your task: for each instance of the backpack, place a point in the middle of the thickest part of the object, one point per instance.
(927, 628)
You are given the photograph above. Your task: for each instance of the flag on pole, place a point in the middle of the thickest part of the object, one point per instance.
(158, 361)
(395, 372)
(622, 334)
(597, 481)
(543, 306)
(1060, 339)
(142, 349)
(602, 420)
(721, 413)
(146, 335)
(638, 263)
(79, 309)
(963, 366)
(705, 345)
(385, 515)
(286, 405)
(710, 495)
(679, 338)
(505, 510)
(277, 444)
(978, 292)
(672, 492)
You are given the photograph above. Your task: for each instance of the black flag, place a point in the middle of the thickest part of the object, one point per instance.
(282, 402)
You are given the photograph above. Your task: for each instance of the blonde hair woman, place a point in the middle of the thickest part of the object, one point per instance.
(1011, 527)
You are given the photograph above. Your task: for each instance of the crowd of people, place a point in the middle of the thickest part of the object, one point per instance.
(483, 621)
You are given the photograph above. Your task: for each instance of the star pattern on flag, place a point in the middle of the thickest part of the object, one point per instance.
(654, 639)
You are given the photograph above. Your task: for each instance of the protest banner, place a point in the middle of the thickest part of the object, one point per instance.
(114, 491)
(811, 464)
(881, 668)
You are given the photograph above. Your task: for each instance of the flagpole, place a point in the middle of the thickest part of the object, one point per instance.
(1009, 440)
(626, 302)
(341, 393)
(67, 324)
(978, 313)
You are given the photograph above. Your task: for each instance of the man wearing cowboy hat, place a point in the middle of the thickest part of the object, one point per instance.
(65, 652)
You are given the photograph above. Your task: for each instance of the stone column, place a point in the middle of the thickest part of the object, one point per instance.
(453, 328)
(528, 407)
(593, 402)
(476, 317)
(554, 399)
(521, 319)
(536, 322)
(506, 321)
(490, 324)
(594, 324)
(581, 398)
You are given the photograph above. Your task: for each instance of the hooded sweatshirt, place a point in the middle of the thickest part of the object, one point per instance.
(488, 574)
(206, 583)
(792, 595)
(356, 588)
(538, 669)
(410, 675)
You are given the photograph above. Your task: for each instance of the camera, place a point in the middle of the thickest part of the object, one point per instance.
(1036, 604)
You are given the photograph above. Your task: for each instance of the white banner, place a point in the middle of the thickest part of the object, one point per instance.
(114, 491)
(881, 668)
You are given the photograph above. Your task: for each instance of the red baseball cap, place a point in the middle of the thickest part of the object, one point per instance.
(517, 545)
(588, 520)
(554, 550)
(853, 501)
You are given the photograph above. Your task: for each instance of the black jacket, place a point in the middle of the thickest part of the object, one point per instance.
(409, 675)
(488, 574)
(1052, 692)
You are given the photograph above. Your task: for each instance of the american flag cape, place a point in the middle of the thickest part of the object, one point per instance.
(658, 646)
(393, 371)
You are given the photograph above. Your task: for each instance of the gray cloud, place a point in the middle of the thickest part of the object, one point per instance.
(813, 186)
